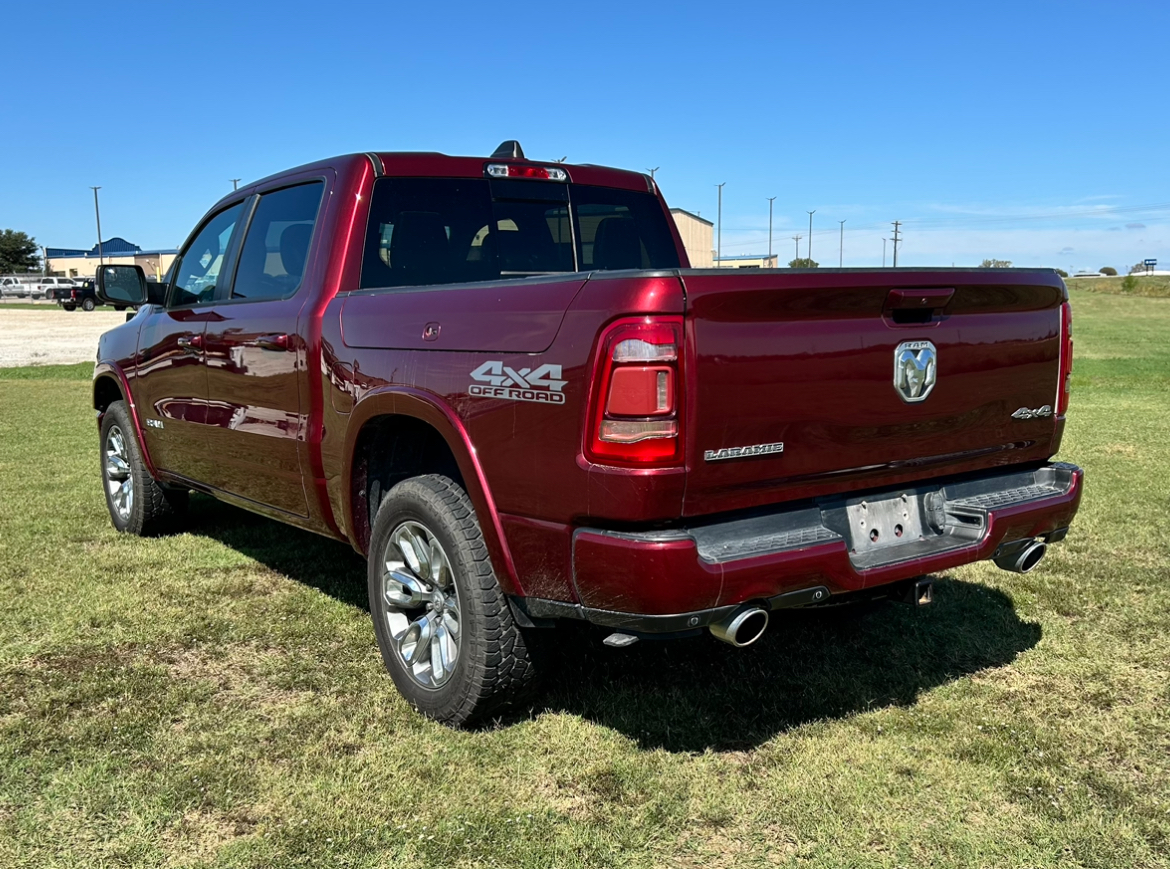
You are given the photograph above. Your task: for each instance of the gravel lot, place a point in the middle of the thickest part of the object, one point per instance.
(52, 336)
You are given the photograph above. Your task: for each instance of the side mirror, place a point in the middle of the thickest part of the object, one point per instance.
(121, 285)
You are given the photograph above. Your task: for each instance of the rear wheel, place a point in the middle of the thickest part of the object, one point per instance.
(138, 503)
(88, 304)
(442, 623)
(69, 307)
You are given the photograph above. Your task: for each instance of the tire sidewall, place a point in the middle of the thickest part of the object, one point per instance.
(409, 501)
(88, 305)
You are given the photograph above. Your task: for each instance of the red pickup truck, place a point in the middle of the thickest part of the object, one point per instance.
(500, 380)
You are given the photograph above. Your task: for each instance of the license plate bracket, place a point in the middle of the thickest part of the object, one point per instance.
(879, 523)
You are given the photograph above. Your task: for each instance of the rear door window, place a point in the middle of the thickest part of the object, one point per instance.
(276, 249)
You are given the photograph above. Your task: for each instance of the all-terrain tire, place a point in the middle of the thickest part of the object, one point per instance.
(88, 304)
(152, 507)
(498, 663)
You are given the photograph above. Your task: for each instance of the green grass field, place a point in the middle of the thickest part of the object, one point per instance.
(215, 698)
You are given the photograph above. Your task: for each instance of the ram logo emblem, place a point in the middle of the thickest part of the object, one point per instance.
(915, 370)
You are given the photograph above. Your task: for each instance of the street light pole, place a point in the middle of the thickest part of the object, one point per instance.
(841, 253)
(810, 214)
(770, 201)
(883, 251)
(719, 244)
(98, 215)
(652, 171)
(235, 183)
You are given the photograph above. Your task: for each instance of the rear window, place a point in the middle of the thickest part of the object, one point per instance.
(425, 231)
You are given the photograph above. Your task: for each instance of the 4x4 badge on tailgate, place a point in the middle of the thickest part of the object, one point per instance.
(915, 370)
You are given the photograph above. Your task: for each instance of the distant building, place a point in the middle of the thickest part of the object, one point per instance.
(67, 262)
(748, 261)
(697, 237)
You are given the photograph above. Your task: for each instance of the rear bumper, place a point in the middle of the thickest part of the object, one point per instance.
(685, 578)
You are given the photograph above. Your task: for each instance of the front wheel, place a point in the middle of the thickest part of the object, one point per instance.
(138, 503)
(442, 623)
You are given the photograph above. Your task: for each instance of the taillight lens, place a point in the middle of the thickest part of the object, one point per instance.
(636, 410)
(1064, 385)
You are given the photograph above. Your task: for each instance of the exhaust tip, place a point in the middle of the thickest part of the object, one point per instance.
(1023, 560)
(1032, 555)
(742, 628)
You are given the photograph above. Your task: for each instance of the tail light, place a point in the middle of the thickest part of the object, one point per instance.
(637, 398)
(1064, 384)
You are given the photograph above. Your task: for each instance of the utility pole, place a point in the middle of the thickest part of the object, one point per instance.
(719, 245)
(652, 171)
(810, 214)
(235, 183)
(98, 214)
(44, 261)
(770, 201)
(841, 253)
(797, 238)
(897, 224)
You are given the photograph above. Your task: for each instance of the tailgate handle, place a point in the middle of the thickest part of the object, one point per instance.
(933, 300)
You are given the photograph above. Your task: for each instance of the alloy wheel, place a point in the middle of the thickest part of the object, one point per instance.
(421, 604)
(119, 478)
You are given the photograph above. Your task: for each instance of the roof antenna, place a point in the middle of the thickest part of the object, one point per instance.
(508, 150)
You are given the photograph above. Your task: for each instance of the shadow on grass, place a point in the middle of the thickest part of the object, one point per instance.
(329, 566)
(699, 694)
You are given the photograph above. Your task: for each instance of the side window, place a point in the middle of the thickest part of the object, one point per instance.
(276, 249)
(197, 272)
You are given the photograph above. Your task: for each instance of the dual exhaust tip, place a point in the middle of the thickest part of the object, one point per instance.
(746, 625)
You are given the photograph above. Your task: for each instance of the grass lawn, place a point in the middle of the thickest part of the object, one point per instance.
(1148, 286)
(215, 698)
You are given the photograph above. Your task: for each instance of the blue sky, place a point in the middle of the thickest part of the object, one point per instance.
(1029, 131)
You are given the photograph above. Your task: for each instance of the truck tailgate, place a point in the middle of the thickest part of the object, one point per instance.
(836, 365)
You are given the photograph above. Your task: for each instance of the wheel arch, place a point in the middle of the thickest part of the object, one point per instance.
(400, 415)
(110, 385)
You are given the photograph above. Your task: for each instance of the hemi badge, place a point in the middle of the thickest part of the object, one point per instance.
(742, 452)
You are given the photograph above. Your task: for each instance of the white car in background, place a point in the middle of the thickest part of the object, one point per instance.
(16, 288)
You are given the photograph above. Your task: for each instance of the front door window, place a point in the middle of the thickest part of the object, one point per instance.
(200, 267)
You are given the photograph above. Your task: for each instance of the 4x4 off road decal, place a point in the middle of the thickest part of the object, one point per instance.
(497, 380)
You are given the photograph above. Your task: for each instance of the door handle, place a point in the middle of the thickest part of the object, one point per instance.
(273, 342)
(192, 344)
